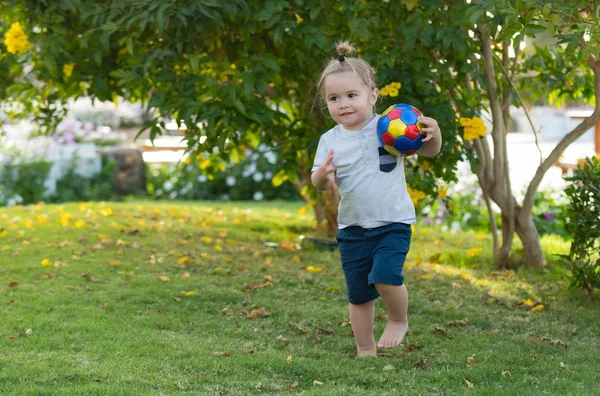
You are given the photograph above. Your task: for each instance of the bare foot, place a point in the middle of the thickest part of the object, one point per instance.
(366, 352)
(393, 334)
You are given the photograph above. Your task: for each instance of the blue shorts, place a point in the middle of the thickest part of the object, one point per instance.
(372, 255)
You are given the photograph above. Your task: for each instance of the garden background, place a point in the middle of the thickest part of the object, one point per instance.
(159, 233)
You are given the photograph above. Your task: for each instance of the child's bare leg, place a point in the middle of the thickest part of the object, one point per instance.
(361, 317)
(395, 299)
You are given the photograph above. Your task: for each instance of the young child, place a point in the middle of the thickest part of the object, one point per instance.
(375, 211)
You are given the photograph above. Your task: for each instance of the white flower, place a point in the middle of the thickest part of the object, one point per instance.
(258, 196)
(271, 157)
(230, 181)
(257, 177)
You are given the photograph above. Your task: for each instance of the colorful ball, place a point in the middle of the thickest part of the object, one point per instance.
(398, 130)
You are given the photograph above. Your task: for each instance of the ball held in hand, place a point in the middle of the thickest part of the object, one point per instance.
(398, 130)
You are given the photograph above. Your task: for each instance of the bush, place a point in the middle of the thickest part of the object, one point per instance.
(23, 183)
(75, 187)
(249, 179)
(583, 222)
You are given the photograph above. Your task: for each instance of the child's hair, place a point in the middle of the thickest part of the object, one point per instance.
(342, 64)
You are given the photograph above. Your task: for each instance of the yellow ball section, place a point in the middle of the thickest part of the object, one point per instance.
(387, 110)
(397, 128)
(392, 150)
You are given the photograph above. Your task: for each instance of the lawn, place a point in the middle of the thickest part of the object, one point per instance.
(228, 298)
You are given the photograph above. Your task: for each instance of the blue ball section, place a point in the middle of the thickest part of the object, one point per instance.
(408, 115)
(405, 144)
(382, 126)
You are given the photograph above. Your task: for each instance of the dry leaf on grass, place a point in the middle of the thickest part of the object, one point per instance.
(469, 384)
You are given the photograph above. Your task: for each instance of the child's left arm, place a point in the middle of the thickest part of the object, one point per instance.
(433, 140)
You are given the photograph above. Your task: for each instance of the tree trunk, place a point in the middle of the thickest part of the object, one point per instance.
(328, 212)
(531, 240)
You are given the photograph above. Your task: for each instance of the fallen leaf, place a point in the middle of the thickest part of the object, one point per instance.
(459, 323)
(558, 343)
(13, 284)
(471, 359)
(318, 383)
(413, 346)
(314, 270)
(385, 354)
(440, 330)
(469, 384)
(288, 245)
(282, 339)
(389, 367)
(505, 373)
(537, 308)
(191, 293)
(293, 385)
(221, 354)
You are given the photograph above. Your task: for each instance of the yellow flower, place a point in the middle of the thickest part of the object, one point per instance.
(16, 40)
(474, 252)
(425, 165)
(68, 69)
(442, 192)
(474, 128)
(416, 196)
(392, 89)
(46, 263)
(299, 19)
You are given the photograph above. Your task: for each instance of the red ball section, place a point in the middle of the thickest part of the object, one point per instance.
(394, 113)
(412, 132)
(387, 139)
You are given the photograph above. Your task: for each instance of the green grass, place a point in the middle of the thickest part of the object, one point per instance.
(110, 315)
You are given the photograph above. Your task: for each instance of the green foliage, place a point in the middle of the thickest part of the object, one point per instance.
(249, 179)
(584, 225)
(550, 211)
(74, 187)
(250, 77)
(23, 183)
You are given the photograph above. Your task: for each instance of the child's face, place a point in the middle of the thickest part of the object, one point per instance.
(349, 100)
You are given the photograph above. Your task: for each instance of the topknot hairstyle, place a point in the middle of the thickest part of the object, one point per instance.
(345, 63)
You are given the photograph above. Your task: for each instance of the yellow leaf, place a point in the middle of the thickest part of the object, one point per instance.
(191, 293)
(163, 278)
(527, 302)
(299, 19)
(185, 260)
(46, 263)
(537, 308)
(289, 359)
(185, 275)
(206, 239)
(312, 269)
(80, 224)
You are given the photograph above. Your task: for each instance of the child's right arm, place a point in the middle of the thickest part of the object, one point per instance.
(324, 177)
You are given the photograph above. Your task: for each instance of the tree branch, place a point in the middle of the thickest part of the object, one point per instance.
(586, 124)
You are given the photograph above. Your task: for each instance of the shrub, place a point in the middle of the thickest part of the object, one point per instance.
(583, 222)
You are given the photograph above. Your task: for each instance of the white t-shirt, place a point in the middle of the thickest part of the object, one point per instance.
(371, 182)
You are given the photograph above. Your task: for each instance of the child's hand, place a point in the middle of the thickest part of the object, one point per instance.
(324, 177)
(433, 140)
(430, 128)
